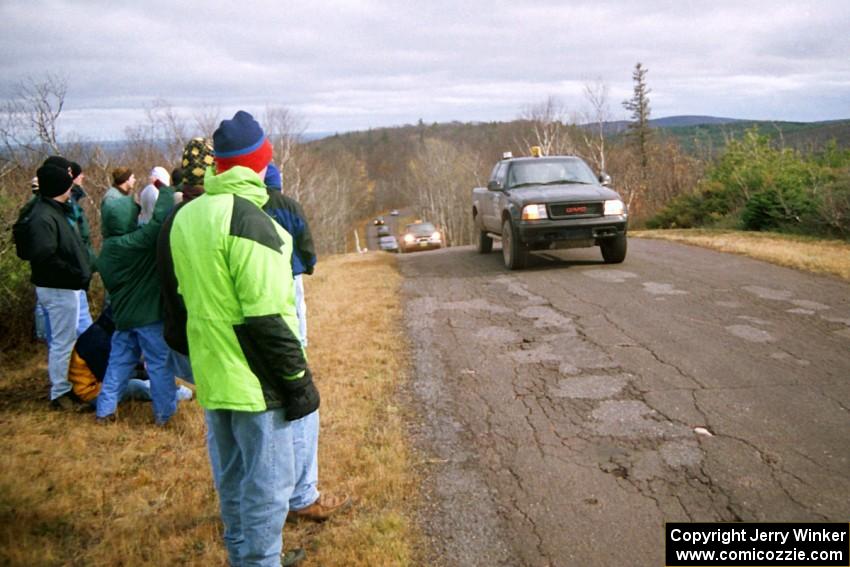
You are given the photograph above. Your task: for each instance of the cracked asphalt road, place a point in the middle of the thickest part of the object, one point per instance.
(560, 406)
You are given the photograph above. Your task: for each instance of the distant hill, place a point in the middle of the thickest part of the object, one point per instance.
(618, 126)
(683, 121)
(708, 138)
(700, 135)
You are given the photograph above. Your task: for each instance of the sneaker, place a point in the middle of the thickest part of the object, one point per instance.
(322, 509)
(292, 557)
(184, 394)
(65, 402)
(106, 420)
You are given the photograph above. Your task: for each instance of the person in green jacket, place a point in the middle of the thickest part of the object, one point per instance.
(251, 376)
(127, 264)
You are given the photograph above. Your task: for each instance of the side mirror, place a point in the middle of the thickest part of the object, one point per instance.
(604, 179)
(495, 186)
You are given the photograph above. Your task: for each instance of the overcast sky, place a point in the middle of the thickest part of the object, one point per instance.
(353, 64)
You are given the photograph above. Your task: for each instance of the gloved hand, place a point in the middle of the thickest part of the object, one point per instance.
(301, 402)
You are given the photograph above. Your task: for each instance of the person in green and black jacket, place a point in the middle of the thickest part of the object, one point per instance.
(251, 376)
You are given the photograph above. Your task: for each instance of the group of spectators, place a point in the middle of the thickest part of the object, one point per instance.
(203, 277)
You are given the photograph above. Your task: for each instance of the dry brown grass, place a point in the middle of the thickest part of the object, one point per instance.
(803, 253)
(73, 493)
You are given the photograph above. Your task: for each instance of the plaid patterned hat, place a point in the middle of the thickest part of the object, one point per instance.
(197, 157)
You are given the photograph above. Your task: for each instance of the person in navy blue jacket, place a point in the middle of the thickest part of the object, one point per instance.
(289, 214)
(306, 502)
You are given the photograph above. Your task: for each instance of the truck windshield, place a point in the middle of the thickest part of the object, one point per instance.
(549, 172)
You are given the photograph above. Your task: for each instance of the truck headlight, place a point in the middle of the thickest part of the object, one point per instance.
(409, 238)
(534, 212)
(436, 236)
(615, 207)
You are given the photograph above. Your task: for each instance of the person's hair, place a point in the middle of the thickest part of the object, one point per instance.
(177, 176)
(120, 175)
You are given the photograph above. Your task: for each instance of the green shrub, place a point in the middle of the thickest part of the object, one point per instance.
(775, 209)
(759, 187)
(17, 298)
(708, 206)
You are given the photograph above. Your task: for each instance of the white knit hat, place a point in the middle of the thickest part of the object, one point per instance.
(161, 174)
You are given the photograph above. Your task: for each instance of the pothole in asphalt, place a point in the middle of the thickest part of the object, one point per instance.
(519, 289)
(633, 418)
(542, 353)
(612, 276)
(755, 320)
(589, 387)
(799, 311)
(751, 334)
(656, 288)
(769, 293)
(785, 356)
(679, 454)
(429, 305)
(813, 305)
(580, 353)
(499, 335)
(546, 317)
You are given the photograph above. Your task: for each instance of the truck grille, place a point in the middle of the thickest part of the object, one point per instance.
(575, 210)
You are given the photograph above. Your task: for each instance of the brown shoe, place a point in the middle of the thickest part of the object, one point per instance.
(322, 509)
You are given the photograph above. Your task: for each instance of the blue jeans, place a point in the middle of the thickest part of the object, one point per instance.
(251, 457)
(42, 320)
(305, 445)
(180, 366)
(127, 347)
(67, 314)
(137, 390)
(301, 309)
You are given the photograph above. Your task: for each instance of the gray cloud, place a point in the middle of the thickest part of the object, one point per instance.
(358, 63)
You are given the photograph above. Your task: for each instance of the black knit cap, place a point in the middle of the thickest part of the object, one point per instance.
(76, 169)
(53, 180)
(58, 161)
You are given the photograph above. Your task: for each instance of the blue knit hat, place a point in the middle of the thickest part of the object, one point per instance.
(273, 179)
(241, 141)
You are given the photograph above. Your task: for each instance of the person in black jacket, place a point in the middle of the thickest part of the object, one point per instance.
(47, 235)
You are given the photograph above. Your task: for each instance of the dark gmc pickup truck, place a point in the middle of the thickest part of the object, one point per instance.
(539, 203)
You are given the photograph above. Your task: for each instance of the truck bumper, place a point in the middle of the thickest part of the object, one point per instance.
(545, 231)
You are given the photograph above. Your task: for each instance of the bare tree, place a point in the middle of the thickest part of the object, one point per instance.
(285, 130)
(28, 122)
(445, 173)
(550, 128)
(167, 126)
(207, 119)
(596, 95)
(43, 102)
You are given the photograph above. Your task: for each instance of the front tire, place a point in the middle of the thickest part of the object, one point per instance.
(614, 249)
(514, 252)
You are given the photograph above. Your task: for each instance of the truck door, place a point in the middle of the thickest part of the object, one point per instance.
(492, 211)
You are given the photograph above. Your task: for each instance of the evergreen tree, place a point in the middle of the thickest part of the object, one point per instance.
(639, 131)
